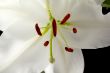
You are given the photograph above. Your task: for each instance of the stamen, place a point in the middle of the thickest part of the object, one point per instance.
(65, 18)
(54, 26)
(38, 30)
(46, 43)
(68, 49)
(74, 30)
(1, 32)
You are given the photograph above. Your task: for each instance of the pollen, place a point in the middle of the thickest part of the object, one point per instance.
(54, 26)
(65, 18)
(38, 30)
(46, 43)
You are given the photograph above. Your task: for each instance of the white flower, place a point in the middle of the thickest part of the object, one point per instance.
(26, 52)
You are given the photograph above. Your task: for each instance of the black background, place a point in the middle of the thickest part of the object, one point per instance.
(97, 60)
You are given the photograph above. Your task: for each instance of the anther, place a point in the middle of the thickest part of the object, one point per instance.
(46, 43)
(1, 32)
(54, 26)
(68, 49)
(74, 30)
(65, 18)
(38, 30)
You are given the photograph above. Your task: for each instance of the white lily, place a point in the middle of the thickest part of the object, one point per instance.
(29, 55)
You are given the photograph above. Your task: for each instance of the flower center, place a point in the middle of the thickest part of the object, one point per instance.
(53, 26)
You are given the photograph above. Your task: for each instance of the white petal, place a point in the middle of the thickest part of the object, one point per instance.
(86, 10)
(61, 7)
(10, 16)
(9, 49)
(36, 8)
(23, 29)
(49, 68)
(17, 23)
(93, 29)
(36, 58)
(58, 7)
(66, 62)
(90, 35)
(33, 59)
(9, 3)
(99, 1)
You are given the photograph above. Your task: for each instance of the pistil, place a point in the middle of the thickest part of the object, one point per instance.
(52, 60)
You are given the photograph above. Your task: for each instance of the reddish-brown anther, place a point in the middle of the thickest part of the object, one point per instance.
(65, 18)
(38, 30)
(74, 30)
(69, 49)
(54, 26)
(46, 43)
